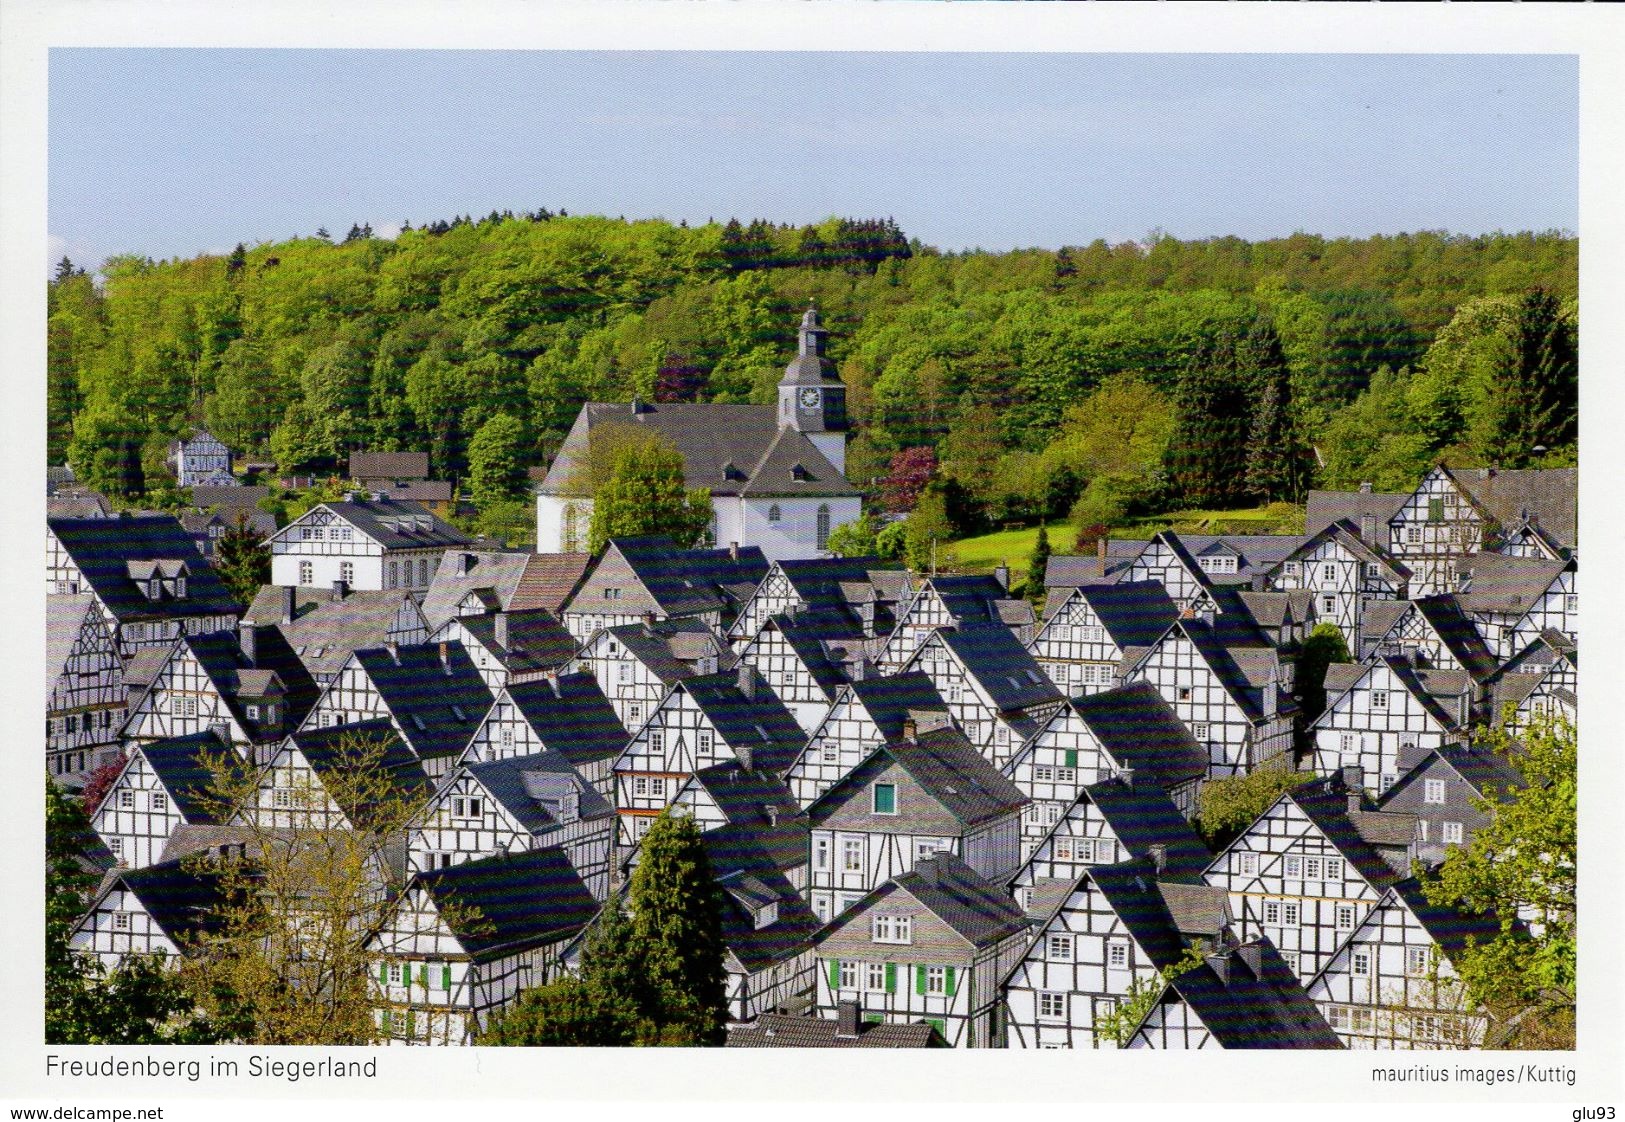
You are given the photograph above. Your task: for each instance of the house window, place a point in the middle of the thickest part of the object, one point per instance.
(1184, 693)
(829, 754)
(1117, 954)
(1379, 699)
(1044, 774)
(1060, 948)
(1416, 961)
(1345, 917)
(183, 706)
(640, 785)
(885, 798)
(1413, 535)
(1312, 868)
(847, 976)
(634, 713)
(1328, 572)
(467, 806)
(1433, 791)
(1052, 1006)
(774, 514)
(820, 853)
(705, 742)
(423, 570)
(1199, 731)
(307, 573)
(1451, 833)
(1571, 603)
(1362, 1017)
(1421, 829)
(1063, 633)
(1292, 867)
(624, 673)
(397, 974)
(347, 572)
(612, 594)
(116, 846)
(874, 979)
(160, 801)
(1345, 742)
(253, 712)
(1338, 1017)
(657, 741)
(1328, 605)
(892, 929)
(1063, 849)
(121, 921)
(394, 578)
(1290, 913)
(1272, 913)
(126, 799)
(1360, 963)
(281, 798)
(936, 979)
(1334, 868)
(926, 848)
(852, 855)
(1248, 864)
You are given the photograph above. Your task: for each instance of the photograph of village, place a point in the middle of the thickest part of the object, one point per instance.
(773, 624)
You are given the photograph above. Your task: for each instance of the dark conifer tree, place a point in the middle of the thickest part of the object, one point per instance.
(1536, 403)
(1275, 457)
(1207, 456)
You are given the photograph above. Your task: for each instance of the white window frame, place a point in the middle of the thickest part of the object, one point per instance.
(1450, 833)
(1117, 954)
(1051, 1005)
(886, 928)
(1433, 791)
(1059, 947)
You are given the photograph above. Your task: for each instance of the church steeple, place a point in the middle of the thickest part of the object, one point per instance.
(812, 397)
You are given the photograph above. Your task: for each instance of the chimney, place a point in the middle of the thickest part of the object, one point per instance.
(394, 650)
(744, 755)
(465, 564)
(290, 597)
(1368, 528)
(1001, 573)
(445, 656)
(341, 589)
(1252, 957)
(910, 729)
(1125, 776)
(846, 1020)
(1100, 550)
(1159, 856)
(247, 641)
(1365, 488)
(499, 623)
(1353, 779)
(771, 812)
(747, 680)
(1220, 965)
(733, 551)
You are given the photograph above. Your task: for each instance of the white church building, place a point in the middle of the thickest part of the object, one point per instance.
(776, 473)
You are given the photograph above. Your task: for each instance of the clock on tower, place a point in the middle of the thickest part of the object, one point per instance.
(810, 397)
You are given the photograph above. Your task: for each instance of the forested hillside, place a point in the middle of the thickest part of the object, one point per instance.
(1122, 376)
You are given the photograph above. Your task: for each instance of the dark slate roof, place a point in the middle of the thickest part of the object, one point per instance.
(1139, 729)
(972, 598)
(425, 694)
(182, 898)
(1483, 770)
(1131, 888)
(818, 580)
(1004, 668)
(500, 571)
(691, 581)
(748, 861)
(1322, 508)
(1142, 815)
(80, 504)
(389, 465)
(1222, 662)
(946, 767)
(743, 797)
(524, 786)
(1509, 494)
(511, 902)
(549, 580)
(416, 491)
(1458, 634)
(1234, 624)
(179, 763)
(1347, 534)
(104, 547)
(824, 640)
(1325, 803)
(784, 1030)
(760, 724)
(1134, 613)
(889, 699)
(338, 747)
(537, 641)
(228, 502)
(1267, 1009)
(369, 517)
(1072, 570)
(1255, 554)
(745, 439)
(571, 716)
(1380, 617)
(325, 631)
(220, 653)
(980, 912)
(1509, 585)
(1421, 689)
(1449, 927)
(652, 645)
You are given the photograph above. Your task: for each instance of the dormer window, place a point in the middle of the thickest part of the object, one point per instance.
(766, 916)
(885, 798)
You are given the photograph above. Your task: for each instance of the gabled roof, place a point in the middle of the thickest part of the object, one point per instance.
(1134, 613)
(1350, 675)
(339, 747)
(229, 502)
(179, 764)
(221, 656)
(1380, 617)
(689, 581)
(977, 910)
(786, 1030)
(972, 598)
(1142, 815)
(1322, 508)
(1506, 585)
(761, 723)
(947, 769)
(389, 465)
(182, 898)
(1450, 928)
(1255, 554)
(325, 632)
(1347, 534)
(1510, 495)
(823, 640)
(537, 641)
(395, 524)
(511, 902)
(709, 437)
(820, 580)
(1325, 803)
(656, 645)
(749, 861)
(1443, 613)
(79, 504)
(548, 581)
(436, 704)
(1221, 660)
(1141, 731)
(1132, 891)
(1266, 1008)
(529, 788)
(743, 796)
(64, 618)
(462, 571)
(1483, 770)
(890, 698)
(995, 658)
(103, 549)
(571, 716)
(1072, 570)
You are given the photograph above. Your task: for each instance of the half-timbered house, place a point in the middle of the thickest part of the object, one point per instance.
(157, 910)
(367, 540)
(1345, 566)
(161, 787)
(431, 693)
(201, 461)
(637, 664)
(567, 716)
(846, 1030)
(1098, 936)
(1435, 633)
(1442, 789)
(1393, 984)
(1383, 712)
(511, 646)
(931, 944)
(86, 707)
(1512, 600)
(462, 942)
(338, 778)
(995, 691)
(649, 579)
(905, 802)
(1310, 867)
(702, 721)
(804, 659)
(843, 585)
(146, 575)
(469, 582)
(1543, 679)
(511, 805)
(248, 683)
(866, 713)
(1243, 996)
(958, 601)
(326, 628)
(1091, 635)
(1094, 737)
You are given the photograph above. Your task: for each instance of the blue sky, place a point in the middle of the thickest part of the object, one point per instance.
(179, 151)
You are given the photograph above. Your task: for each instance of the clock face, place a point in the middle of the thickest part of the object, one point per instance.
(809, 398)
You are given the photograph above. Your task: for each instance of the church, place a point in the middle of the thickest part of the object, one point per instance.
(775, 472)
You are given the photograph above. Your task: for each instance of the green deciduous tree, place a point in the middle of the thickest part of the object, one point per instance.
(1525, 859)
(1226, 807)
(644, 494)
(496, 469)
(243, 560)
(856, 538)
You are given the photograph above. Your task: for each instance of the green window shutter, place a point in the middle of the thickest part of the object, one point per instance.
(919, 979)
(383, 973)
(445, 977)
(384, 1021)
(423, 975)
(834, 974)
(891, 977)
(949, 985)
(1071, 757)
(410, 1022)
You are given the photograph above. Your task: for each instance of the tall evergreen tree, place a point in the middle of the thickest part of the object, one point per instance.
(1537, 401)
(1275, 457)
(677, 924)
(1207, 455)
(242, 560)
(1037, 564)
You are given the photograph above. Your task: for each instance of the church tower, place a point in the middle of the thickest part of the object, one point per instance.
(812, 397)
